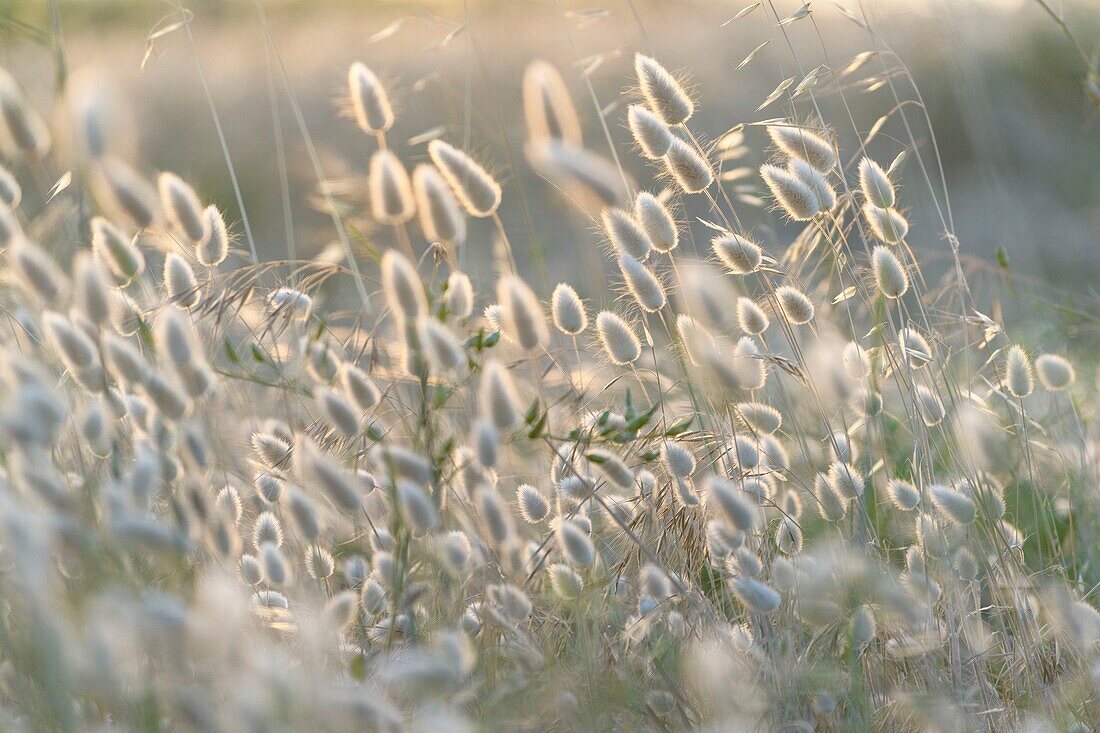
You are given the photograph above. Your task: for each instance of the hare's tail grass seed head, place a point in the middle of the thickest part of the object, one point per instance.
(763, 455)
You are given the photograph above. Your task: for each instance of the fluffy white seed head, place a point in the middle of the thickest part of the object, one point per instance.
(626, 234)
(214, 247)
(875, 184)
(751, 317)
(1056, 373)
(568, 311)
(547, 106)
(755, 595)
(678, 459)
(402, 285)
(441, 346)
(499, 401)
(460, 295)
(575, 544)
(1018, 377)
(903, 494)
(954, 505)
(739, 254)
(620, 343)
(128, 193)
(533, 505)
(914, 348)
(890, 275)
(391, 193)
(846, 480)
(688, 168)
(760, 418)
(732, 503)
(656, 221)
(182, 207)
(359, 387)
(441, 219)
(478, 191)
(796, 306)
(37, 271)
(647, 290)
(886, 224)
(929, 406)
(11, 193)
(119, 252)
(663, 93)
(801, 144)
(797, 199)
(522, 315)
(179, 281)
(369, 101)
(812, 177)
(650, 132)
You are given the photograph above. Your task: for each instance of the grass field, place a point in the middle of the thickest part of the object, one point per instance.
(546, 367)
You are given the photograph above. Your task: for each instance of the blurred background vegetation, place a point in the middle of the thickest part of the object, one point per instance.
(1018, 135)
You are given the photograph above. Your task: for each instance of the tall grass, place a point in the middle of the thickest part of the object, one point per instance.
(772, 479)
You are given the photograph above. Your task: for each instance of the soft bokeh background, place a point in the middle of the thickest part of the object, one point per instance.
(1019, 141)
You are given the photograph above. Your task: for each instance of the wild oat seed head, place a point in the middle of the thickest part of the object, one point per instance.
(620, 343)
(650, 132)
(475, 188)
(568, 311)
(739, 254)
(391, 193)
(1018, 377)
(642, 283)
(688, 168)
(798, 200)
(875, 184)
(369, 100)
(547, 106)
(1056, 373)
